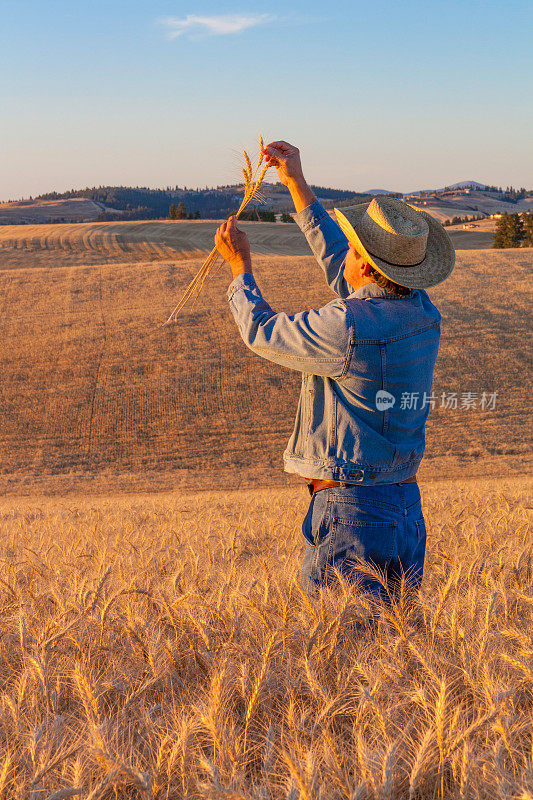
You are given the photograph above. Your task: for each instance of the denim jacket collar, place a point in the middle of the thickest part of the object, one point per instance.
(374, 290)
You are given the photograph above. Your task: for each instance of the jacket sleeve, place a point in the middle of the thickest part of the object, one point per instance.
(315, 341)
(328, 243)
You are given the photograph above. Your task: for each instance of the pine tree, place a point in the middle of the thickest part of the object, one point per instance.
(516, 230)
(196, 214)
(181, 212)
(286, 217)
(509, 231)
(172, 211)
(267, 216)
(501, 234)
(528, 230)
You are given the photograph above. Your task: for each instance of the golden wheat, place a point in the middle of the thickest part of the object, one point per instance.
(160, 647)
(252, 190)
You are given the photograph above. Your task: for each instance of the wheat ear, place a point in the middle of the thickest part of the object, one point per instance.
(252, 185)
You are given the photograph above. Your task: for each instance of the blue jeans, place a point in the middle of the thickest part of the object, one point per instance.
(382, 526)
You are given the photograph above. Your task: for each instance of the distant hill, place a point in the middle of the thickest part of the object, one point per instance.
(31, 212)
(459, 185)
(466, 185)
(382, 191)
(123, 203)
(118, 203)
(445, 204)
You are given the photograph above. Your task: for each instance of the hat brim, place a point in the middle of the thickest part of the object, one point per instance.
(438, 263)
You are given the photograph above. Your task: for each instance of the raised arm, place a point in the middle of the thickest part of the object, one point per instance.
(316, 341)
(324, 236)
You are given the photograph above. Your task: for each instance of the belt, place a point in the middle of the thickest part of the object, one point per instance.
(315, 484)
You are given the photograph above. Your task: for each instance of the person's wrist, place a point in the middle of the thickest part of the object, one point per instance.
(240, 266)
(297, 182)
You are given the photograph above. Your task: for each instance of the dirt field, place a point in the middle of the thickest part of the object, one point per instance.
(96, 393)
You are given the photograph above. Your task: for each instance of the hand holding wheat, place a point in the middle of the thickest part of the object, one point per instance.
(234, 247)
(252, 183)
(285, 158)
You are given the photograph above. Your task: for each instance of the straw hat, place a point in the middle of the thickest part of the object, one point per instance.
(407, 246)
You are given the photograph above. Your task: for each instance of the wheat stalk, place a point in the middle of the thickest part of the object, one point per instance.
(298, 777)
(250, 707)
(252, 184)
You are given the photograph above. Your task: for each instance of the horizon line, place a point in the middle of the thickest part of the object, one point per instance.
(33, 198)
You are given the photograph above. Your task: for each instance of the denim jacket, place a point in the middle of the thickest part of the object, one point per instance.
(366, 359)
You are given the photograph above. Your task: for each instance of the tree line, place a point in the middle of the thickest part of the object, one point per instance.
(458, 220)
(180, 212)
(211, 203)
(510, 194)
(263, 215)
(514, 230)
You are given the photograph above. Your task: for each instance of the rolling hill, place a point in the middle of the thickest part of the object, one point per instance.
(119, 203)
(76, 209)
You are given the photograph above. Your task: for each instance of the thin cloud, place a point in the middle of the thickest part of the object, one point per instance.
(212, 26)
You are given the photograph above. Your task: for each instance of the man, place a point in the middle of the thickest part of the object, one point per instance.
(367, 362)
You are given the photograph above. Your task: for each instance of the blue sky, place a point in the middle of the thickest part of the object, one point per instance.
(396, 94)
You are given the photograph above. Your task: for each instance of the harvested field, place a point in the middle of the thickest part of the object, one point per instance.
(97, 394)
(96, 243)
(471, 240)
(29, 246)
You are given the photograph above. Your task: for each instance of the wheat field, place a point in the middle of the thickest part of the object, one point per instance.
(154, 640)
(159, 646)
